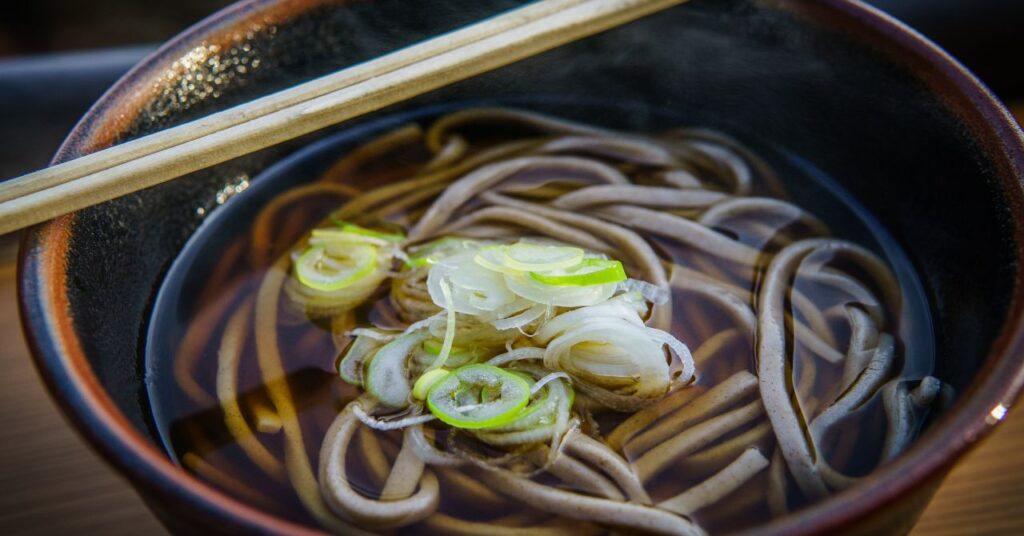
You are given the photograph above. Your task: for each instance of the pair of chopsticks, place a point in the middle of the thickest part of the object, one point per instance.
(492, 43)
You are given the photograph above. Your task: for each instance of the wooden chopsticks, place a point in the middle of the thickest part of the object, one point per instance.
(348, 93)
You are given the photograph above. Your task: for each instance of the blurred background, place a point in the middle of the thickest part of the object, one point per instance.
(47, 26)
(985, 34)
(58, 56)
(74, 50)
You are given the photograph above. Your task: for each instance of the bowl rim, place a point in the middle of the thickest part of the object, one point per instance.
(60, 359)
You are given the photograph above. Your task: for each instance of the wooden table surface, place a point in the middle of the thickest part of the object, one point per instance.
(52, 483)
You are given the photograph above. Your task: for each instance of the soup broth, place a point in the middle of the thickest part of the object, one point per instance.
(786, 345)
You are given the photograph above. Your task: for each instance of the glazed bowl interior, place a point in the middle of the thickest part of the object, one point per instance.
(927, 151)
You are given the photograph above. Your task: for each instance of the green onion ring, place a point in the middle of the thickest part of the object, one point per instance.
(478, 396)
(587, 273)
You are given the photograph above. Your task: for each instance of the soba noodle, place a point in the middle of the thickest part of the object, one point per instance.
(794, 336)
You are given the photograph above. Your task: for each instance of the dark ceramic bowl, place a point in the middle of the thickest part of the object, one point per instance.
(900, 124)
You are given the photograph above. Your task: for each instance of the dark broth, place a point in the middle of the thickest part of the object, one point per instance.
(220, 269)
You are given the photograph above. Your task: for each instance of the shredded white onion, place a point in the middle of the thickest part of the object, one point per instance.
(564, 321)
(606, 348)
(475, 290)
(449, 328)
(679, 349)
(426, 323)
(549, 378)
(522, 319)
(374, 334)
(512, 308)
(384, 425)
(652, 293)
(517, 355)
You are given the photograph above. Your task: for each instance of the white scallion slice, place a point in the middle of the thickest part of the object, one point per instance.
(528, 257)
(475, 290)
(493, 258)
(433, 252)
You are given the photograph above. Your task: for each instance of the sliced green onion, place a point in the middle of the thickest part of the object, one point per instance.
(430, 253)
(544, 418)
(536, 413)
(337, 235)
(478, 396)
(426, 381)
(352, 230)
(559, 296)
(423, 358)
(417, 262)
(528, 257)
(351, 366)
(363, 231)
(434, 347)
(588, 272)
(386, 376)
(319, 270)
